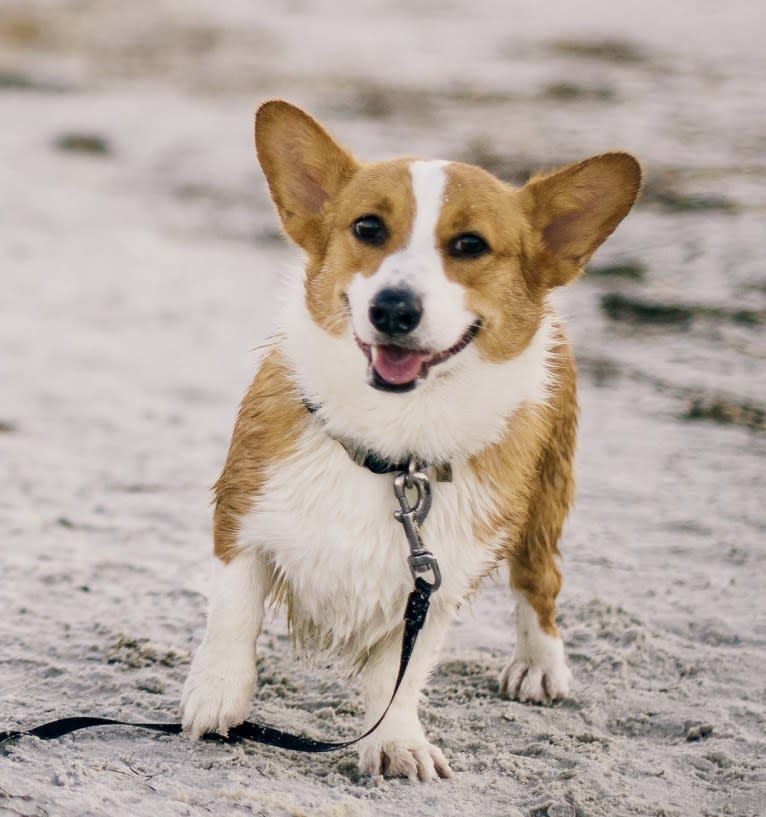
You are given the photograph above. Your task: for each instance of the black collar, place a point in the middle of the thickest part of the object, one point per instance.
(378, 464)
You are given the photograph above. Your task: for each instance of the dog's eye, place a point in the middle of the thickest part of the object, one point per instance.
(468, 245)
(370, 230)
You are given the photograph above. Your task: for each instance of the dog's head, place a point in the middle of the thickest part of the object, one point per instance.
(411, 263)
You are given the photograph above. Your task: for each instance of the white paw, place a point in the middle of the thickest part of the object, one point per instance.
(415, 760)
(218, 691)
(542, 679)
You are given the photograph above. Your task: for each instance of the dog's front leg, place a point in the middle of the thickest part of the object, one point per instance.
(217, 693)
(398, 747)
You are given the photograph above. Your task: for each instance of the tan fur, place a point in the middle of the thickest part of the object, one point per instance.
(495, 285)
(305, 170)
(540, 237)
(532, 561)
(528, 475)
(325, 541)
(270, 420)
(379, 189)
(574, 210)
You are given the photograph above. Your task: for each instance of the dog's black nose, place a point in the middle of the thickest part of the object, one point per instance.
(395, 311)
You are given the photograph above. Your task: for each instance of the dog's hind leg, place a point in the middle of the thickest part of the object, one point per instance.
(398, 747)
(538, 671)
(218, 690)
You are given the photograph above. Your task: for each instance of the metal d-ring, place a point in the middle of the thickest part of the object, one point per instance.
(412, 517)
(413, 478)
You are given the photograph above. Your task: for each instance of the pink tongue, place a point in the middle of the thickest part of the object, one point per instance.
(397, 365)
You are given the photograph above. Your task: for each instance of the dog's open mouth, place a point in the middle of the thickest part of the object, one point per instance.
(397, 368)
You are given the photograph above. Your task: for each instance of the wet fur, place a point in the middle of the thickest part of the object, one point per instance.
(293, 513)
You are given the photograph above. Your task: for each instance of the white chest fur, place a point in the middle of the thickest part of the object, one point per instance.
(327, 524)
(462, 406)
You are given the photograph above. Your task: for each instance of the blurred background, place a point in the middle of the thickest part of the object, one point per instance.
(140, 270)
(130, 191)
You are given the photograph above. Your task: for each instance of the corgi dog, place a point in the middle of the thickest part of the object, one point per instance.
(420, 330)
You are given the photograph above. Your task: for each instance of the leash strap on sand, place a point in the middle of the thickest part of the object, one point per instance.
(414, 618)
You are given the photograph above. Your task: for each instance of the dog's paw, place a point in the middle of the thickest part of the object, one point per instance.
(415, 760)
(522, 680)
(217, 693)
(539, 679)
(538, 671)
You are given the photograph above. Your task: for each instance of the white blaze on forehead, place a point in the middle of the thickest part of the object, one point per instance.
(429, 179)
(418, 267)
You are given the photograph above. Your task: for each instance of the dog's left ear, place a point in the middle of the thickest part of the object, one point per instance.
(305, 169)
(574, 210)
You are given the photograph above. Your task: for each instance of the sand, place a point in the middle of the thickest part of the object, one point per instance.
(140, 269)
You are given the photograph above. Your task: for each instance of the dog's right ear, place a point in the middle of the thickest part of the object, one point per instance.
(305, 169)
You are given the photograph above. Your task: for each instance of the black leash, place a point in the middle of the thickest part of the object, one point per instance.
(420, 561)
(414, 618)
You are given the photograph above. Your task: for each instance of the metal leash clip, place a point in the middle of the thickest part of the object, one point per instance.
(412, 517)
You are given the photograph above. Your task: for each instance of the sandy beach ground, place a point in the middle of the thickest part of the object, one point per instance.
(140, 270)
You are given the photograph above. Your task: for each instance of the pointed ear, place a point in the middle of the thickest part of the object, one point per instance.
(575, 209)
(304, 167)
